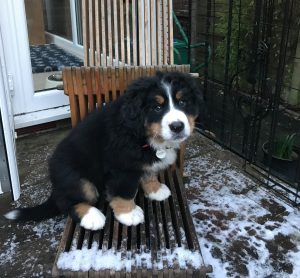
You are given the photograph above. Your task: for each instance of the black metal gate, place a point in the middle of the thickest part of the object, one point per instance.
(251, 82)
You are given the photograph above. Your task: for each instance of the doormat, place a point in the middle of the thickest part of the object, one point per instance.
(50, 57)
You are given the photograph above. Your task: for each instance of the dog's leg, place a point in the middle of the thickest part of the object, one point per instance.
(154, 190)
(126, 211)
(88, 216)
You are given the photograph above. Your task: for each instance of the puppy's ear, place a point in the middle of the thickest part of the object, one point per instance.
(132, 109)
(159, 74)
(133, 105)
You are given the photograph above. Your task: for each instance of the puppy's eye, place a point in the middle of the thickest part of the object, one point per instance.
(157, 108)
(181, 103)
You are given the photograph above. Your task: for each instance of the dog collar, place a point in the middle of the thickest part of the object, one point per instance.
(160, 153)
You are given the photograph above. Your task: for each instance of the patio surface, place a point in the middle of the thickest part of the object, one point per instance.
(243, 230)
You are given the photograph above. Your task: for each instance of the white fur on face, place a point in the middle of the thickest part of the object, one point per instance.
(174, 115)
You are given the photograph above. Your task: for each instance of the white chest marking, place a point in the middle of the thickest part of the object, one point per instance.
(164, 163)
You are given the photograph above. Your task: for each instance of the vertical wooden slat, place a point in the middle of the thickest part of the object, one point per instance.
(116, 33)
(89, 89)
(124, 241)
(122, 47)
(80, 91)
(85, 31)
(115, 235)
(165, 32)
(117, 82)
(122, 80)
(148, 71)
(106, 85)
(91, 34)
(69, 89)
(127, 33)
(171, 43)
(152, 70)
(103, 35)
(153, 236)
(109, 33)
(153, 28)
(113, 84)
(134, 19)
(110, 72)
(98, 33)
(141, 35)
(98, 86)
(128, 75)
(146, 30)
(159, 31)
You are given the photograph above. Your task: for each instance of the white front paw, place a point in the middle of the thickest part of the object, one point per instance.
(135, 217)
(93, 220)
(161, 194)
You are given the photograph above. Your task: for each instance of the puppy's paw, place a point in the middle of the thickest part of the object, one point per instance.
(93, 220)
(161, 194)
(135, 217)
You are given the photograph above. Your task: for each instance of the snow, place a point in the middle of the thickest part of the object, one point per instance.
(226, 206)
(8, 250)
(98, 259)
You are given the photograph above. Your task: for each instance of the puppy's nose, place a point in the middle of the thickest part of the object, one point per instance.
(177, 126)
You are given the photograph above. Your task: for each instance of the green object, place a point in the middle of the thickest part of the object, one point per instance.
(180, 52)
(181, 48)
(283, 148)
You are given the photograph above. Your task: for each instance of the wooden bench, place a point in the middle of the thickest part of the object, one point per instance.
(168, 226)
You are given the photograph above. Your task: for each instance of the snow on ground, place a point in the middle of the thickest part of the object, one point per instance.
(242, 229)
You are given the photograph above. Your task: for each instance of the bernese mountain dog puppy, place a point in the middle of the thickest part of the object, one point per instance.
(116, 149)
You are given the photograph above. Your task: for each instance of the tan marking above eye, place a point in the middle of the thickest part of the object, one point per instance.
(178, 95)
(159, 99)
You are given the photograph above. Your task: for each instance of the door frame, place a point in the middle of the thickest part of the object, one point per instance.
(8, 125)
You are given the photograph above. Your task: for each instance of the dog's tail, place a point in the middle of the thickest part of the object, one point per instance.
(43, 211)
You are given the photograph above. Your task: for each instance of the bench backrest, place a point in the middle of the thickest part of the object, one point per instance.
(127, 32)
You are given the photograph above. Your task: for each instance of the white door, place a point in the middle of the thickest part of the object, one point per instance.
(9, 178)
(29, 107)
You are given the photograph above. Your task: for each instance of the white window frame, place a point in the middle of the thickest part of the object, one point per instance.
(8, 125)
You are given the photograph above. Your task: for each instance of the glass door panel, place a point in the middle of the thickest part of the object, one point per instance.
(53, 28)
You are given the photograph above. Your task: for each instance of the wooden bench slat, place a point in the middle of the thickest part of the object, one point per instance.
(103, 33)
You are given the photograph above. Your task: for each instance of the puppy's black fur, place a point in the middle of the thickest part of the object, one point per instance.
(106, 148)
